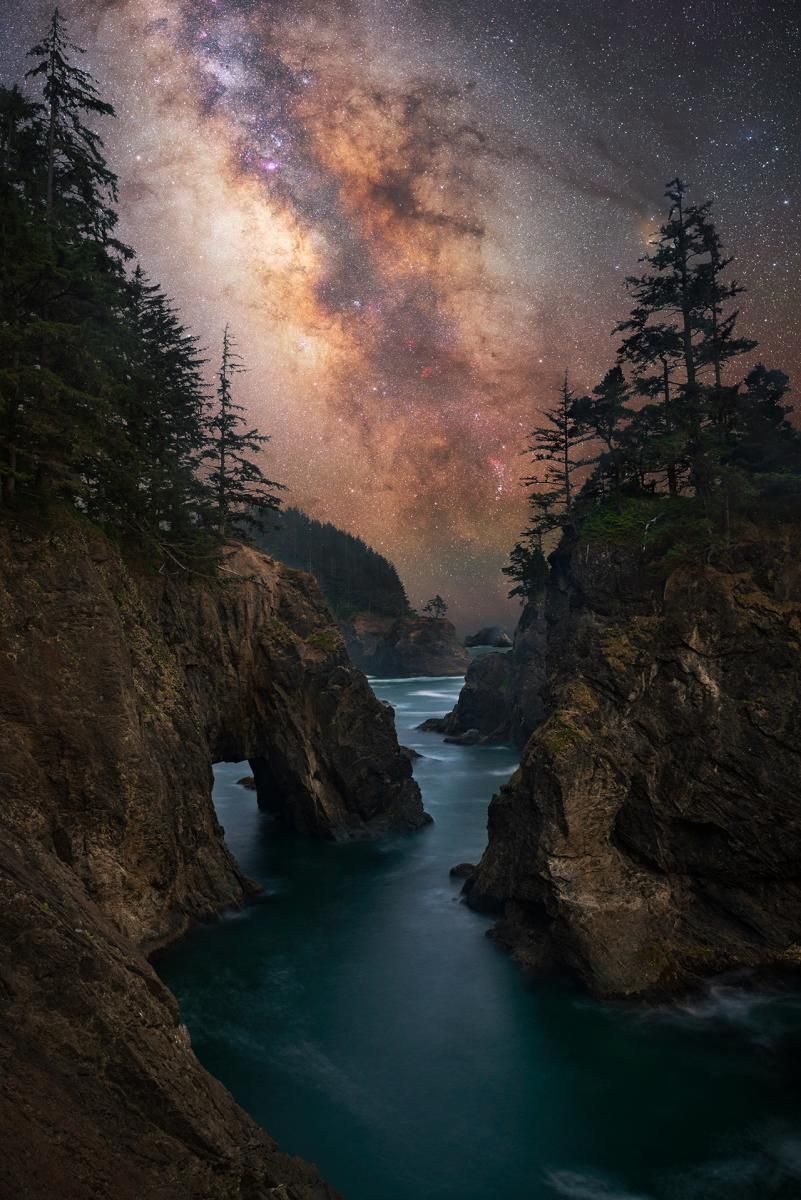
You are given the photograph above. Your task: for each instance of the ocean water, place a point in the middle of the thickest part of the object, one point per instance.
(360, 1013)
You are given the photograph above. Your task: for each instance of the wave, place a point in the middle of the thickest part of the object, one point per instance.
(579, 1186)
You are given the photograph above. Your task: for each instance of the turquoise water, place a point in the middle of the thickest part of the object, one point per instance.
(361, 1015)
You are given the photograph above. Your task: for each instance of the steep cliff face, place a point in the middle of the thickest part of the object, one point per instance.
(652, 834)
(118, 692)
(405, 646)
(502, 697)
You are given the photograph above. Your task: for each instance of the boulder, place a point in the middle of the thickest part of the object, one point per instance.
(491, 635)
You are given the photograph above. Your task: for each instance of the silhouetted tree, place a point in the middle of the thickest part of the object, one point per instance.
(80, 189)
(242, 493)
(600, 418)
(436, 608)
(527, 569)
(554, 443)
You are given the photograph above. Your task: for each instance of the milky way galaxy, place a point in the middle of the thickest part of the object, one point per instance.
(415, 214)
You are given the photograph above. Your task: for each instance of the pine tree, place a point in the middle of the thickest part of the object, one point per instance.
(153, 485)
(527, 568)
(599, 418)
(436, 608)
(679, 328)
(23, 265)
(654, 352)
(80, 189)
(241, 493)
(719, 344)
(555, 443)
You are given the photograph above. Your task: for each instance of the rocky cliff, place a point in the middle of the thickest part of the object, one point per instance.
(652, 834)
(405, 646)
(502, 697)
(119, 689)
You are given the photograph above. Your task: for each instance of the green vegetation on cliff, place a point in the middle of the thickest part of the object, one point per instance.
(671, 453)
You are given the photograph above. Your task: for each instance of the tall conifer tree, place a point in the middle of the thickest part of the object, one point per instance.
(241, 492)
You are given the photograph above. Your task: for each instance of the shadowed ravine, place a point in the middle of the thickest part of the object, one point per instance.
(359, 1013)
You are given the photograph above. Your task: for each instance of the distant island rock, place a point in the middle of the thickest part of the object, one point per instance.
(491, 635)
(404, 646)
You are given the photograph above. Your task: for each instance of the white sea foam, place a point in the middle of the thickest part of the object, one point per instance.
(762, 1016)
(580, 1186)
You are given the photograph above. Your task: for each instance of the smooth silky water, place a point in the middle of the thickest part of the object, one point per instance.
(362, 1016)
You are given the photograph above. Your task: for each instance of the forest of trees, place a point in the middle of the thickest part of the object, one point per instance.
(103, 402)
(354, 577)
(672, 444)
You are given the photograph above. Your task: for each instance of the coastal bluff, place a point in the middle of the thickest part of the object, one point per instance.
(652, 834)
(120, 688)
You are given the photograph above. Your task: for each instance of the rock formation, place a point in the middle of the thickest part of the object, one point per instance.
(652, 833)
(502, 695)
(405, 646)
(484, 704)
(491, 635)
(119, 689)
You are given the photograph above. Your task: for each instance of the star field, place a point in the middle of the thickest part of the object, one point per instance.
(416, 214)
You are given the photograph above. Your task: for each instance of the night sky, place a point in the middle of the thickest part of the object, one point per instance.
(416, 214)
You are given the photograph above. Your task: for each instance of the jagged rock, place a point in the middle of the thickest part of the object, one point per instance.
(652, 833)
(247, 781)
(462, 871)
(491, 635)
(404, 647)
(527, 673)
(410, 753)
(485, 700)
(118, 691)
(434, 725)
(502, 693)
(470, 737)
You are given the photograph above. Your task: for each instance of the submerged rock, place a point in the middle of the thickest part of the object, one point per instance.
(652, 833)
(405, 646)
(119, 690)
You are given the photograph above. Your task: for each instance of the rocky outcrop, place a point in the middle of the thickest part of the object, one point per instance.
(484, 704)
(490, 635)
(404, 647)
(502, 697)
(652, 834)
(119, 689)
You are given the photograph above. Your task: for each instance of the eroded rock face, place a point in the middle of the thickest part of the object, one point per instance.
(502, 697)
(118, 691)
(484, 704)
(404, 647)
(652, 834)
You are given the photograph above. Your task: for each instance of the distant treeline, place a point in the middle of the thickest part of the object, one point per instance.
(354, 577)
